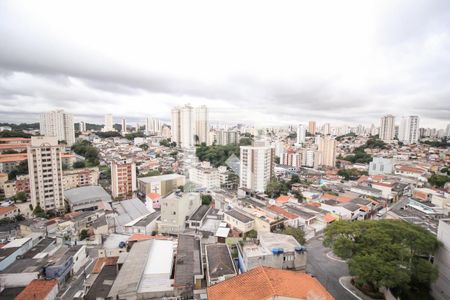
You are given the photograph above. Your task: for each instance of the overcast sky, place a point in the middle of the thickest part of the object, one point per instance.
(267, 63)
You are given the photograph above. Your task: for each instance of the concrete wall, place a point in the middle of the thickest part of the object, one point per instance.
(11, 280)
(441, 288)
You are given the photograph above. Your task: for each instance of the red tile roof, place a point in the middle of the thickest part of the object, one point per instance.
(142, 237)
(4, 158)
(343, 199)
(265, 283)
(37, 289)
(104, 261)
(153, 196)
(283, 199)
(280, 211)
(4, 210)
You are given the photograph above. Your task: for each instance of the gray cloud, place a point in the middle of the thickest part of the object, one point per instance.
(403, 67)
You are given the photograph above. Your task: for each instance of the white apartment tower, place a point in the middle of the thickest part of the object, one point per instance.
(312, 127)
(201, 123)
(83, 126)
(257, 166)
(301, 134)
(189, 125)
(408, 132)
(45, 172)
(327, 147)
(153, 125)
(58, 124)
(387, 128)
(108, 123)
(123, 178)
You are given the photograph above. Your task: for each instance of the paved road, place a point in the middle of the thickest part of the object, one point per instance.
(76, 282)
(327, 270)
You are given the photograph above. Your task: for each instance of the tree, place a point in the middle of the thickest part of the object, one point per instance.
(21, 196)
(144, 147)
(438, 180)
(84, 234)
(385, 253)
(252, 234)
(216, 154)
(21, 169)
(351, 174)
(150, 173)
(206, 199)
(276, 188)
(79, 164)
(297, 233)
(39, 212)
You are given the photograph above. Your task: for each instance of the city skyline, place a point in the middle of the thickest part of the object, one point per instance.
(333, 72)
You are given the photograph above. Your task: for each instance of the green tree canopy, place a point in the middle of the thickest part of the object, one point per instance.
(206, 199)
(297, 233)
(384, 253)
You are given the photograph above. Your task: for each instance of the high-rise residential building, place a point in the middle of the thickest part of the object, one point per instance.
(83, 126)
(447, 131)
(409, 130)
(226, 137)
(153, 126)
(327, 146)
(189, 125)
(312, 127)
(301, 134)
(326, 128)
(108, 123)
(257, 166)
(387, 128)
(59, 124)
(201, 123)
(45, 172)
(124, 125)
(123, 178)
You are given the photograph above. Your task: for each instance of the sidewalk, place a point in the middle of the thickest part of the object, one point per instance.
(347, 284)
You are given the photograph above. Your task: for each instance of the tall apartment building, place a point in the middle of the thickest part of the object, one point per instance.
(257, 166)
(123, 178)
(227, 137)
(301, 134)
(124, 125)
(291, 159)
(326, 129)
(327, 146)
(387, 128)
(59, 124)
(312, 127)
(189, 125)
(153, 125)
(45, 172)
(83, 126)
(408, 132)
(108, 123)
(201, 123)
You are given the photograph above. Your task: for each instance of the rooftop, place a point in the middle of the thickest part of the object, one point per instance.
(86, 194)
(219, 260)
(239, 216)
(151, 179)
(37, 289)
(102, 284)
(188, 260)
(200, 213)
(264, 283)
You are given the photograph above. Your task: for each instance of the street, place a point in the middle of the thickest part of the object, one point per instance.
(75, 283)
(327, 270)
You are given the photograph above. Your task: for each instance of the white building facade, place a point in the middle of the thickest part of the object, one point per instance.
(59, 124)
(45, 170)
